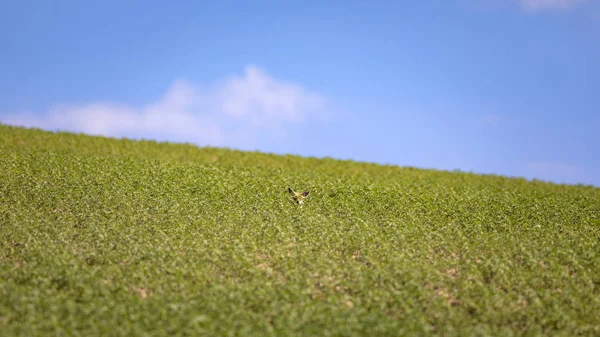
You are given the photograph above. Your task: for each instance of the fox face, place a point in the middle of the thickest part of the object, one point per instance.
(297, 196)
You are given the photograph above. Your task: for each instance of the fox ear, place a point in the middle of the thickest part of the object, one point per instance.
(305, 194)
(291, 191)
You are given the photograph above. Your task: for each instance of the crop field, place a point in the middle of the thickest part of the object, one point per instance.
(112, 237)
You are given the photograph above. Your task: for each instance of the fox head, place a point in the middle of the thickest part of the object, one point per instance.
(297, 196)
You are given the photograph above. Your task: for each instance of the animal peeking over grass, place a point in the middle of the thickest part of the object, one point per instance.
(297, 196)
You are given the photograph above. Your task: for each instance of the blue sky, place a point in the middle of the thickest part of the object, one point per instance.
(510, 87)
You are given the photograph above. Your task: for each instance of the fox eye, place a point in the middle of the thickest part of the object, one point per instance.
(305, 194)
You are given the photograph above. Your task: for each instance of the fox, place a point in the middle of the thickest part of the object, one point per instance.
(297, 196)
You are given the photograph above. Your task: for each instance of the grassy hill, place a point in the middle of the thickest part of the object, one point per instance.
(115, 237)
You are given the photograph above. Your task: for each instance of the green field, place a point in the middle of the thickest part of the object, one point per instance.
(112, 237)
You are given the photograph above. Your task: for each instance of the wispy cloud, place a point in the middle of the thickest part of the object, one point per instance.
(538, 5)
(232, 112)
(530, 6)
(556, 171)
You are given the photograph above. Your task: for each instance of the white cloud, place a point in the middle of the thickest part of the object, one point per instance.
(262, 100)
(525, 5)
(233, 112)
(537, 5)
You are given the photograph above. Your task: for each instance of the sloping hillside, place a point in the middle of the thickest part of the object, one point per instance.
(114, 237)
